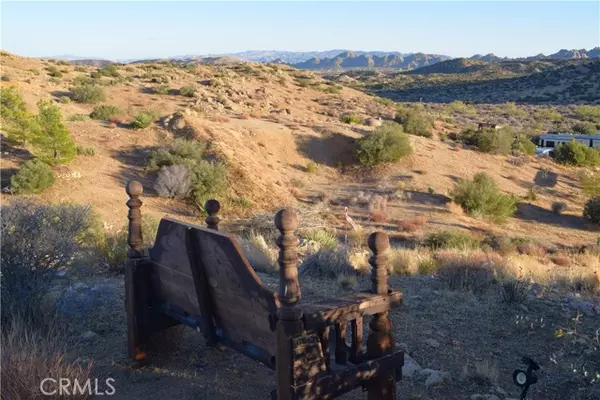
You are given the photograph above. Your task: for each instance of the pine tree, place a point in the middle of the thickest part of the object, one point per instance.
(19, 124)
(54, 144)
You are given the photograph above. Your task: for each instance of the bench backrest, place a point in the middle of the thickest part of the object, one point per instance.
(240, 304)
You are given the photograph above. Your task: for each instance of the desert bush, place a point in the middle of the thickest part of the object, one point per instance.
(173, 181)
(514, 290)
(324, 238)
(488, 140)
(588, 113)
(179, 151)
(111, 247)
(451, 240)
(54, 72)
(162, 89)
(78, 117)
(547, 114)
(524, 145)
(460, 107)
(311, 167)
(105, 111)
(327, 264)
(65, 100)
(37, 239)
(385, 101)
(351, 119)
(110, 71)
(142, 120)
(387, 143)
(558, 207)
(590, 183)
(575, 153)
(87, 93)
(209, 180)
(474, 272)
(412, 225)
(415, 122)
(591, 210)
(512, 109)
(481, 197)
(260, 256)
(33, 177)
(85, 151)
(187, 91)
(585, 128)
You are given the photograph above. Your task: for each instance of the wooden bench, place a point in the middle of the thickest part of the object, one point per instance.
(199, 277)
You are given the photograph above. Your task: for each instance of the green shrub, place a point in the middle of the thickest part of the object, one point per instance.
(105, 111)
(311, 167)
(87, 93)
(187, 91)
(489, 140)
(451, 240)
(327, 264)
(209, 180)
(352, 119)
(591, 184)
(588, 113)
(142, 119)
(110, 71)
(65, 100)
(52, 143)
(511, 108)
(162, 89)
(385, 101)
(547, 114)
(179, 151)
(387, 143)
(524, 145)
(591, 211)
(585, 128)
(33, 177)
(54, 72)
(325, 239)
(17, 121)
(111, 248)
(481, 197)
(415, 122)
(575, 153)
(460, 107)
(78, 117)
(85, 151)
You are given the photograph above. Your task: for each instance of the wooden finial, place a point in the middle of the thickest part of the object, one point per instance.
(379, 243)
(212, 207)
(134, 239)
(286, 222)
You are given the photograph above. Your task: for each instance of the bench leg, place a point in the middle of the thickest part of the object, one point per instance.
(380, 343)
(136, 303)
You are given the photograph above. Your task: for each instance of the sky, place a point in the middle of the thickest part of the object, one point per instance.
(130, 30)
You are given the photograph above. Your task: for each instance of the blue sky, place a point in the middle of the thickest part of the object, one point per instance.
(118, 30)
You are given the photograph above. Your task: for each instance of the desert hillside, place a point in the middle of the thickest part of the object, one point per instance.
(268, 122)
(515, 273)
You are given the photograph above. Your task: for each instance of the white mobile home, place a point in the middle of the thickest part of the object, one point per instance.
(552, 140)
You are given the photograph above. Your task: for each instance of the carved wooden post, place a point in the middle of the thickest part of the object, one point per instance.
(289, 322)
(380, 341)
(212, 207)
(135, 282)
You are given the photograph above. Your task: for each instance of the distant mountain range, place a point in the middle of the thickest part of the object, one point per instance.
(346, 59)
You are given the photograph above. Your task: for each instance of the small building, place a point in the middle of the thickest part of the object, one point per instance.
(552, 140)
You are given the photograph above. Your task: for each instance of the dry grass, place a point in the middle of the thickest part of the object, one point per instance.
(474, 272)
(30, 355)
(412, 225)
(260, 255)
